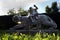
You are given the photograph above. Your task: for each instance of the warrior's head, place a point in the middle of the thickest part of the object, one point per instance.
(30, 8)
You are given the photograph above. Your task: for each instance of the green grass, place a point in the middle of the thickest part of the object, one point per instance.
(37, 36)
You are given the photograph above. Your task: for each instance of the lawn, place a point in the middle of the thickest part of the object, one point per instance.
(37, 36)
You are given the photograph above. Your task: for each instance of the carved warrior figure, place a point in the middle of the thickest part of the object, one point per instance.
(33, 13)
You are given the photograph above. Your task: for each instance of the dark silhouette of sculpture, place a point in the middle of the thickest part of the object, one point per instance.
(25, 22)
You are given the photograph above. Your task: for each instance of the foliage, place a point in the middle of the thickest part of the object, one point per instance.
(54, 4)
(53, 8)
(19, 12)
(48, 9)
(11, 12)
(22, 12)
(37, 36)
